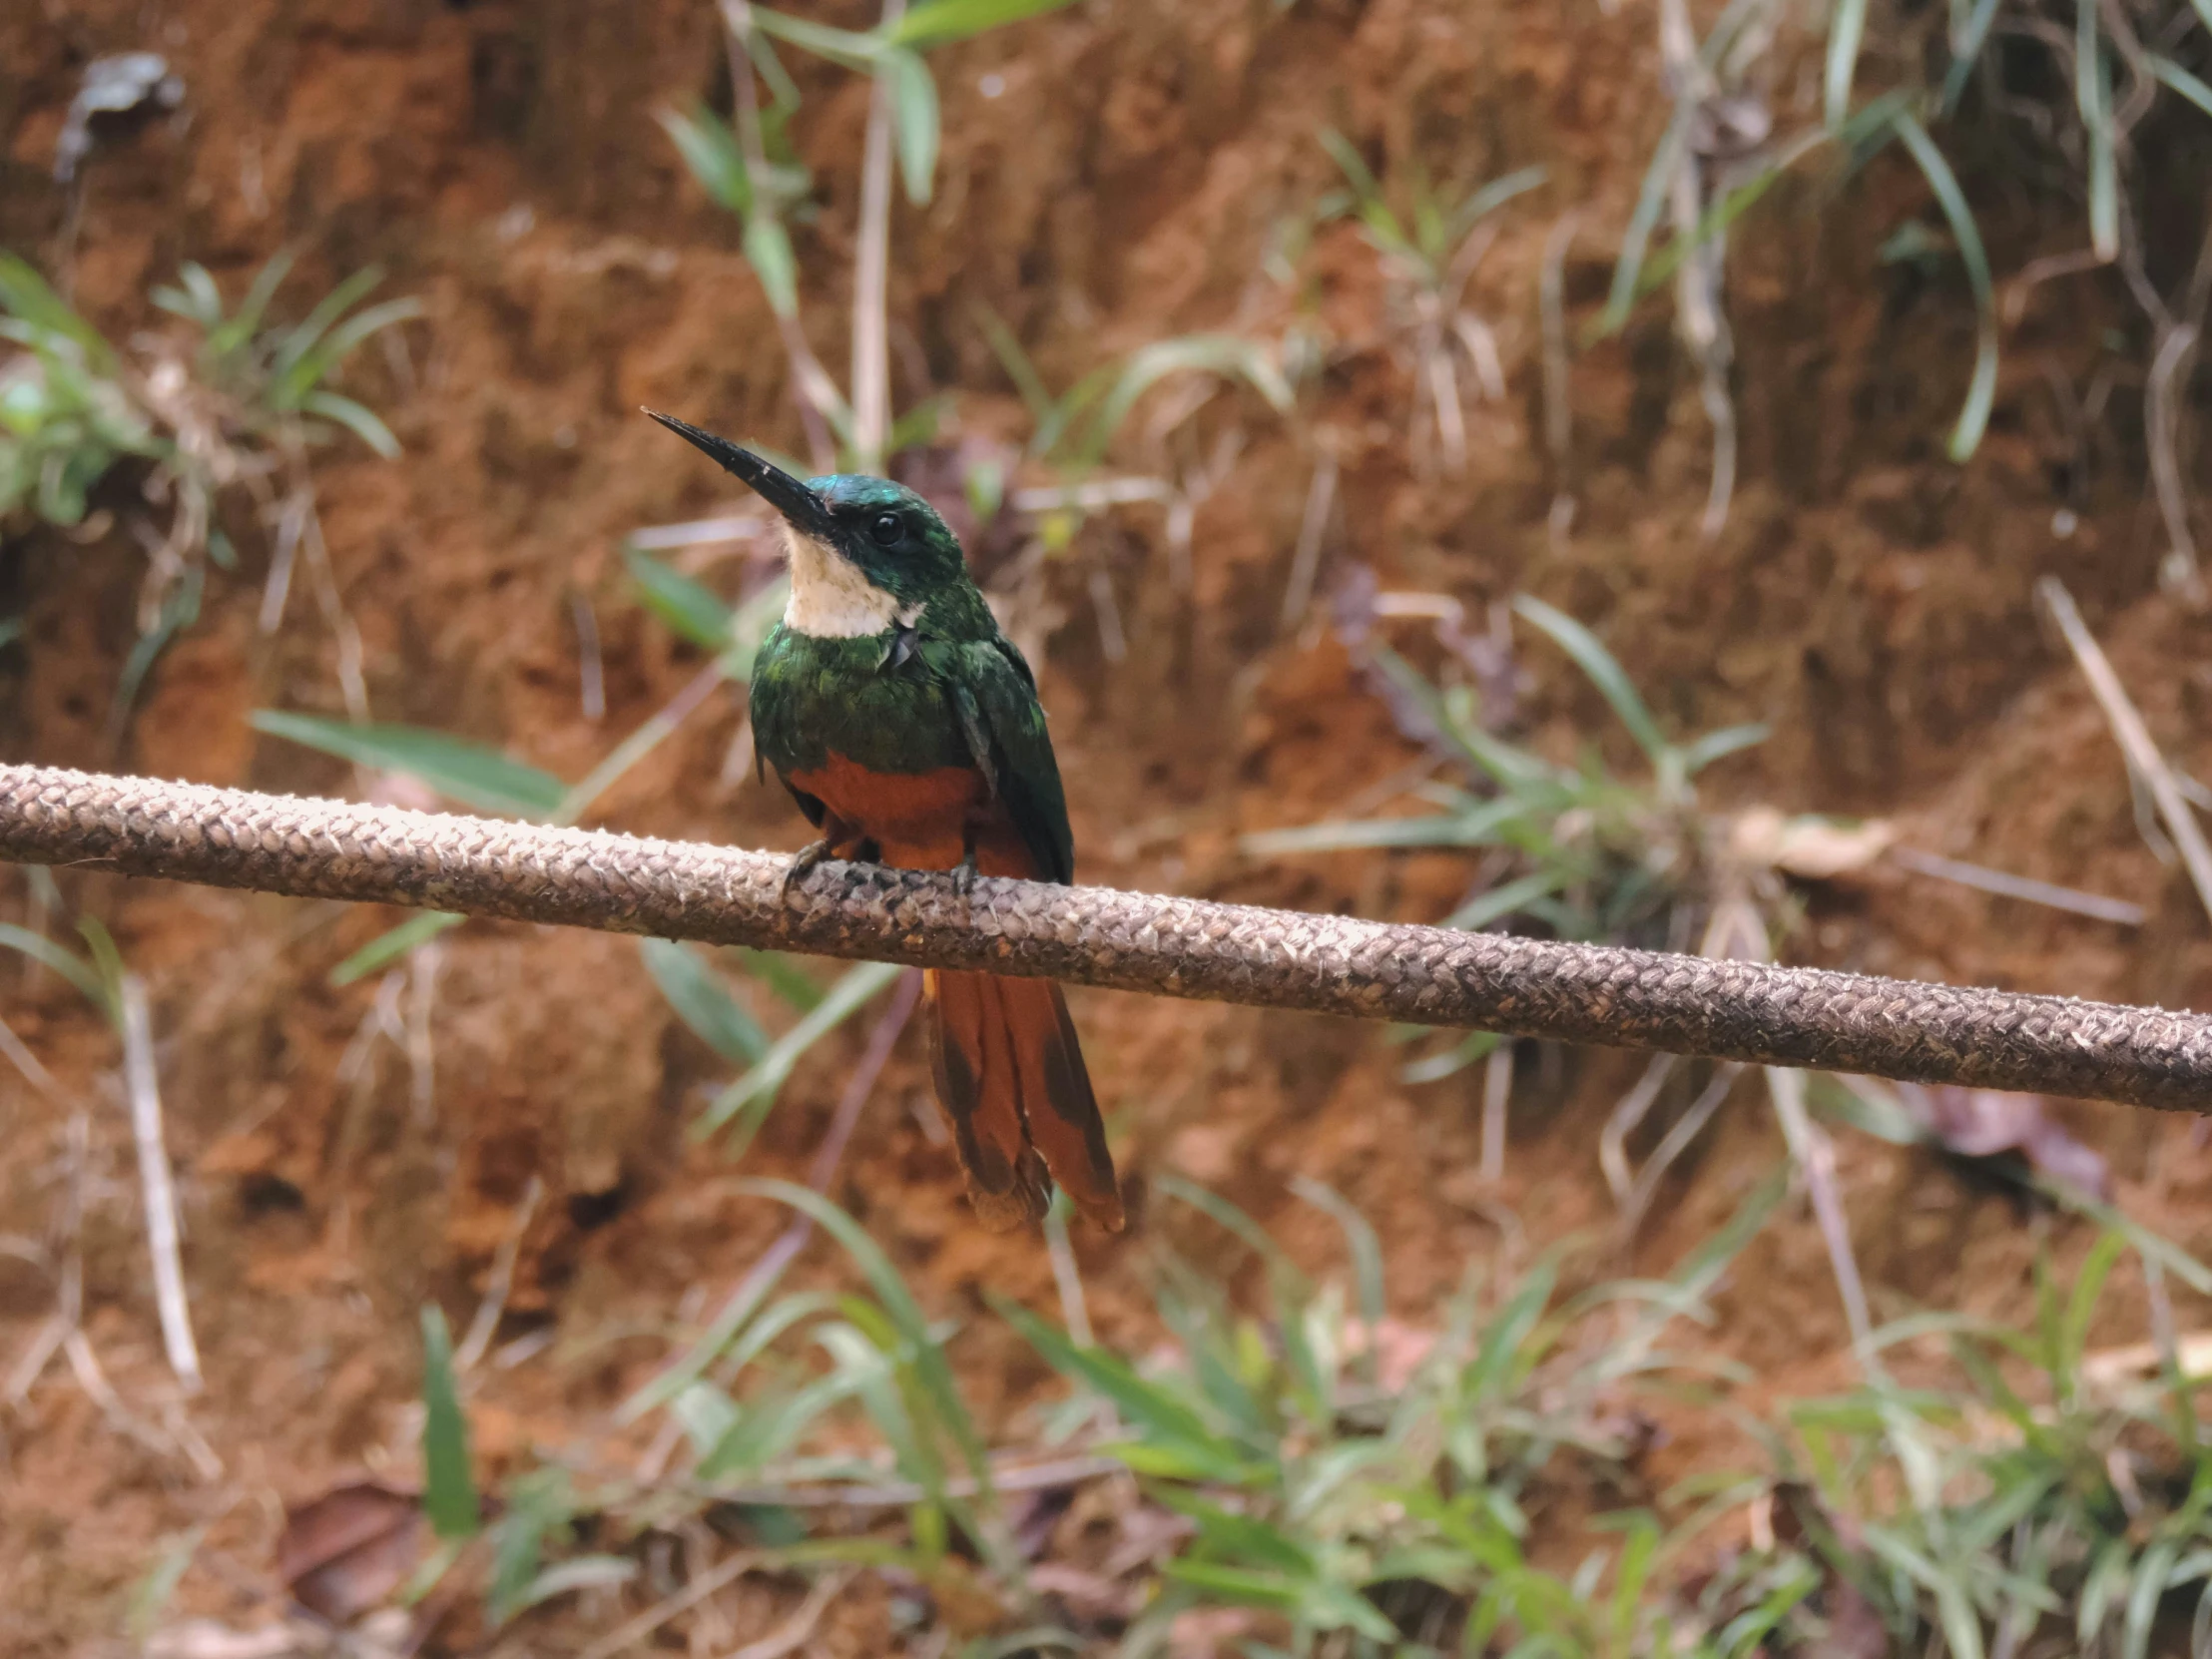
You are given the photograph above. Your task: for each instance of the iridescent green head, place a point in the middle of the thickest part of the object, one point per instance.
(880, 531)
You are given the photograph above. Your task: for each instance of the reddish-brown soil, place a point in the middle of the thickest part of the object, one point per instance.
(500, 160)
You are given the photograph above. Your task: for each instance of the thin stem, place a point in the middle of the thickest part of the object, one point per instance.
(871, 369)
(154, 1181)
(814, 393)
(2133, 737)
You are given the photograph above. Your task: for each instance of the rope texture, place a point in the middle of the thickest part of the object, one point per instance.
(1099, 936)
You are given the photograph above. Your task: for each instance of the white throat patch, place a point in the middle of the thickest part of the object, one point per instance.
(832, 600)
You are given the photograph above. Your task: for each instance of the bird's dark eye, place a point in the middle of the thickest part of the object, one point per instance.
(887, 529)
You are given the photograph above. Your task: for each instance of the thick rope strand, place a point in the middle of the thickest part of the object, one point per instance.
(1167, 946)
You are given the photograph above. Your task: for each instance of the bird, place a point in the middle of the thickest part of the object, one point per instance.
(908, 729)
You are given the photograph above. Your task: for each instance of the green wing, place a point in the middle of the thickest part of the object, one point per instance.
(775, 737)
(996, 697)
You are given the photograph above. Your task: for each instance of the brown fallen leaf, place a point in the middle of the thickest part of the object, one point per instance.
(1989, 1123)
(1814, 848)
(1091, 1598)
(968, 1605)
(343, 1554)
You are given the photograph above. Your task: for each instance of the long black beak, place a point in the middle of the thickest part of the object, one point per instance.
(802, 508)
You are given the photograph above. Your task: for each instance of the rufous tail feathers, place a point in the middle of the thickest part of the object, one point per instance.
(1010, 1076)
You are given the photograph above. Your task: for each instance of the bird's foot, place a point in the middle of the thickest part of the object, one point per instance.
(804, 861)
(964, 883)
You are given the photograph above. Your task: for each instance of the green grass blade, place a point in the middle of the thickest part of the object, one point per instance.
(1602, 670)
(1476, 1045)
(925, 1354)
(1974, 418)
(710, 150)
(60, 958)
(1651, 201)
(179, 612)
(1225, 355)
(1365, 1251)
(578, 1572)
(1515, 770)
(783, 976)
(1714, 222)
(448, 1488)
(537, 1504)
(1226, 1536)
(757, 1088)
(943, 20)
(1966, 51)
(24, 294)
(2081, 1307)
(107, 961)
(2181, 81)
(1700, 752)
(1228, 1217)
(1172, 1430)
(691, 608)
(1017, 365)
(2153, 1575)
(703, 1002)
(720, 1342)
(1629, 1578)
(1847, 28)
(2093, 97)
(465, 771)
(884, 1278)
(245, 321)
(1496, 1359)
(772, 1426)
(202, 299)
(1350, 162)
(1239, 1586)
(767, 250)
(1503, 899)
(1477, 828)
(304, 374)
(355, 417)
(2176, 1261)
(864, 1357)
(915, 120)
(854, 51)
(389, 946)
(302, 337)
(1489, 199)
(151, 1597)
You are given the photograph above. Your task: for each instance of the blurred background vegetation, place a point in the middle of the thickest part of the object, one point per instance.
(1682, 474)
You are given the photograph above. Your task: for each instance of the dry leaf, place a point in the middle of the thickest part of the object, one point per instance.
(209, 1639)
(1090, 1598)
(966, 1605)
(345, 1552)
(1989, 1123)
(1814, 848)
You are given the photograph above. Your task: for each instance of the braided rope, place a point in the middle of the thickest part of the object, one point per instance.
(1167, 946)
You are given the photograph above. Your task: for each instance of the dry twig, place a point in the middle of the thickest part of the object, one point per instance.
(2133, 737)
(143, 1090)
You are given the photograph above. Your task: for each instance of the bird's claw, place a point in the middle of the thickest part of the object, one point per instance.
(963, 885)
(803, 862)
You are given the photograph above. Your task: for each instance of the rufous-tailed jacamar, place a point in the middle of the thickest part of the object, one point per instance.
(908, 728)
